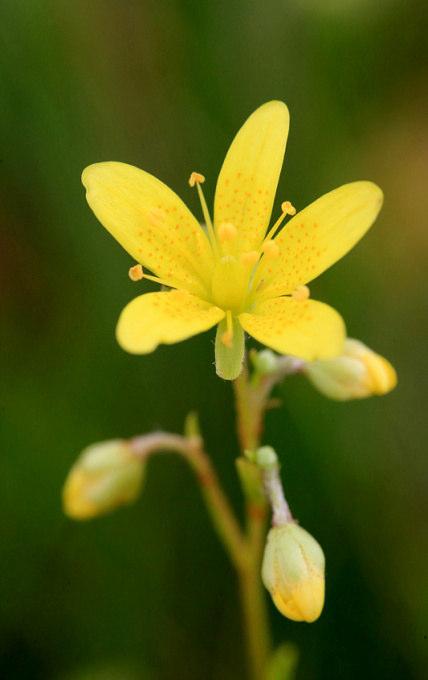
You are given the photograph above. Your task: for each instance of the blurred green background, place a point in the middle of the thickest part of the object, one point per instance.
(148, 592)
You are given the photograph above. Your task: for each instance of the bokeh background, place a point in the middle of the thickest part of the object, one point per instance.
(148, 592)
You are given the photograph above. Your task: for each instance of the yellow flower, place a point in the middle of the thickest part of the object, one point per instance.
(234, 272)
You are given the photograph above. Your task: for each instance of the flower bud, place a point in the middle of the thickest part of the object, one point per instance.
(266, 457)
(357, 373)
(265, 361)
(293, 572)
(105, 476)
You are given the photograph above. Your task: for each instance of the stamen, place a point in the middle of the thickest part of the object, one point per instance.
(227, 337)
(270, 249)
(288, 208)
(227, 231)
(250, 258)
(301, 293)
(156, 279)
(136, 273)
(196, 179)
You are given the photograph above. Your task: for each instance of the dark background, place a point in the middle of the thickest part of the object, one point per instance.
(148, 592)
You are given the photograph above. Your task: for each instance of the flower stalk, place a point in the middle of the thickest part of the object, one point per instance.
(259, 483)
(251, 402)
(218, 506)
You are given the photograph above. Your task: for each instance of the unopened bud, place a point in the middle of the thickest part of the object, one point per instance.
(293, 572)
(265, 362)
(266, 457)
(357, 373)
(105, 476)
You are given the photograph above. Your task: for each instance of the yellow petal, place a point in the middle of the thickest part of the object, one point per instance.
(307, 329)
(156, 318)
(249, 177)
(305, 602)
(150, 221)
(320, 235)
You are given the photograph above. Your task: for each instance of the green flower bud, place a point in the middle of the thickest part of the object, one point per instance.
(293, 572)
(265, 362)
(105, 476)
(266, 457)
(357, 373)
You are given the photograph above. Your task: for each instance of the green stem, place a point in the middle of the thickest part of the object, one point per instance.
(251, 404)
(245, 549)
(222, 515)
(218, 506)
(256, 623)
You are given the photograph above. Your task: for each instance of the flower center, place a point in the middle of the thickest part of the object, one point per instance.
(231, 284)
(231, 280)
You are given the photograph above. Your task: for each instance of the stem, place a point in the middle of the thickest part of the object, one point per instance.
(218, 506)
(222, 514)
(281, 513)
(256, 623)
(249, 411)
(251, 404)
(252, 399)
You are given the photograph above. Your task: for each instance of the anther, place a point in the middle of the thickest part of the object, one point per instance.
(288, 208)
(301, 293)
(227, 231)
(270, 249)
(250, 257)
(196, 178)
(136, 273)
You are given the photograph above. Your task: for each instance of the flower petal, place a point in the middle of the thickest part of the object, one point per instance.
(248, 180)
(320, 235)
(150, 221)
(307, 329)
(156, 318)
